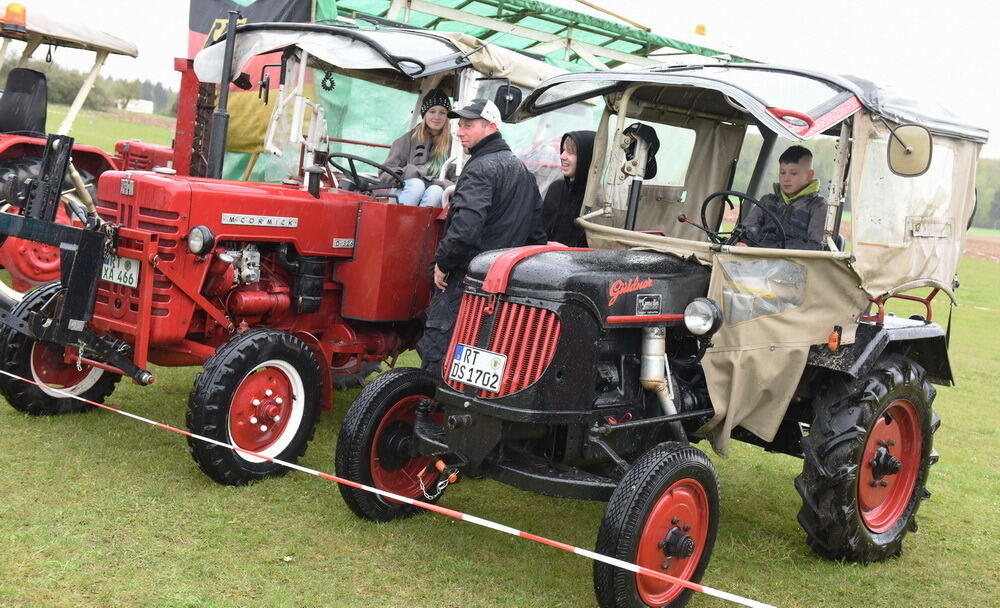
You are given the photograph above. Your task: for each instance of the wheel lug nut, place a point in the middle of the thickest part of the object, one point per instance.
(662, 544)
(687, 527)
(892, 442)
(873, 483)
(268, 392)
(883, 483)
(675, 520)
(279, 400)
(263, 428)
(253, 420)
(255, 402)
(277, 418)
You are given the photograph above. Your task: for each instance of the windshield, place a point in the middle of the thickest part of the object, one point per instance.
(779, 89)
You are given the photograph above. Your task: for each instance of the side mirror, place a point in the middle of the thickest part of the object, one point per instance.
(507, 99)
(909, 150)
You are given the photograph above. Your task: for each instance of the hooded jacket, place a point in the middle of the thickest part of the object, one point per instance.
(564, 197)
(802, 215)
(496, 205)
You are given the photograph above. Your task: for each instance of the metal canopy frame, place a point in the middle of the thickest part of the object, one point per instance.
(568, 39)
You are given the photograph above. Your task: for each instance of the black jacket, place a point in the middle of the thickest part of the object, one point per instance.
(496, 205)
(564, 197)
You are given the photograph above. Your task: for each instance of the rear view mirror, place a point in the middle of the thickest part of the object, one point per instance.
(909, 150)
(508, 98)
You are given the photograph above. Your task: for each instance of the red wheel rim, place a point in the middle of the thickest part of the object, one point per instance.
(404, 480)
(684, 504)
(884, 492)
(263, 407)
(49, 367)
(30, 263)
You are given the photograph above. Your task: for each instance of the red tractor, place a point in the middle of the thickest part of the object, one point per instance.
(275, 289)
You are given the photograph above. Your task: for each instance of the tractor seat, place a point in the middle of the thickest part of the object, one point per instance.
(23, 106)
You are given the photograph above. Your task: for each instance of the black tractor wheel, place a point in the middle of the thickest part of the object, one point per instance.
(342, 382)
(375, 447)
(259, 392)
(45, 363)
(663, 516)
(867, 456)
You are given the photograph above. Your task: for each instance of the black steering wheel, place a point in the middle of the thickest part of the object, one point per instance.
(362, 183)
(739, 231)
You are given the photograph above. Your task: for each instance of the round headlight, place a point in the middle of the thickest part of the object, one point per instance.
(702, 316)
(200, 240)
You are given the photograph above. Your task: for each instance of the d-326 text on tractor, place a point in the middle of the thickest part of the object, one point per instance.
(614, 358)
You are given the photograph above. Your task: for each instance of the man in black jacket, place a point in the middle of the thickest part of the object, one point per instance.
(496, 204)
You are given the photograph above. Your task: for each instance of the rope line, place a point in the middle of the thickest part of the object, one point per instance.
(472, 519)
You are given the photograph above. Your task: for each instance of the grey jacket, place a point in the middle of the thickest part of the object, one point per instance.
(412, 159)
(803, 219)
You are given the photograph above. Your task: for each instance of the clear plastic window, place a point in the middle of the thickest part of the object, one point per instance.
(762, 287)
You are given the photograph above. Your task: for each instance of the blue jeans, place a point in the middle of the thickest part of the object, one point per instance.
(415, 192)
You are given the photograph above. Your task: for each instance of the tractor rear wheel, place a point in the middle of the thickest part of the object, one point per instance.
(375, 447)
(260, 392)
(867, 457)
(44, 363)
(663, 516)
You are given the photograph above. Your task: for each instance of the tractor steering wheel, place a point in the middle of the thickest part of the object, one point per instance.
(361, 183)
(739, 231)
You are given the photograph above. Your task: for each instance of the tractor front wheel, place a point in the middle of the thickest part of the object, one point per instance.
(57, 382)
(260, 393)
(866, 462)
(663, 516)
(375, 447)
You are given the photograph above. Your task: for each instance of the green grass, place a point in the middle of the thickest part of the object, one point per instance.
(103, 130)
(99, 510)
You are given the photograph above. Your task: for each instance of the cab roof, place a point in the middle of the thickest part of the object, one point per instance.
(794, 103)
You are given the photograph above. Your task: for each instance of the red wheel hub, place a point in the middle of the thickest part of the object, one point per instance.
(49, 366)
(673, 540)
(889, 466)
(392, 468)
(260, 409)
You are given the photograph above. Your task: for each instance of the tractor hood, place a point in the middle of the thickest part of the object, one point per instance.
(611, 284)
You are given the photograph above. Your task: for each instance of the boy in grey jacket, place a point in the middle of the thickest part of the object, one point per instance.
(796, 201)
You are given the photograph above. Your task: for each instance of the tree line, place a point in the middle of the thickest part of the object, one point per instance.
(107, 94)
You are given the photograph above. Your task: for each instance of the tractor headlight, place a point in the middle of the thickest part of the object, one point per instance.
(702, 317)
(200, 240)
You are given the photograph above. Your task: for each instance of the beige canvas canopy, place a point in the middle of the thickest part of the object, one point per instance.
(777, 304)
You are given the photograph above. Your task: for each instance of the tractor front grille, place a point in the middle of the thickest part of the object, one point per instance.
(526, 335)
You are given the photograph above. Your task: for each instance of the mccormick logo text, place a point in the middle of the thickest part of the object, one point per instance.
(239, 219)
(619, 287)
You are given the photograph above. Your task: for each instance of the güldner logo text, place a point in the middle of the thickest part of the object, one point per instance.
(619, 287)
(239, 219)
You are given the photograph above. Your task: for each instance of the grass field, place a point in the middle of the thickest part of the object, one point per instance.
(103, 129)
(100, 510)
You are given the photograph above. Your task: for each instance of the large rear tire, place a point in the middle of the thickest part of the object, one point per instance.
(375, 446)
(259, 392)
(867, 457)
(44, 362)
(663, 515)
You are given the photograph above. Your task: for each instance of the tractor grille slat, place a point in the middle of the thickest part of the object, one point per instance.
(526, 335)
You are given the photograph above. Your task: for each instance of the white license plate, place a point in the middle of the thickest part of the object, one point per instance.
(121, 270)
(477, 367)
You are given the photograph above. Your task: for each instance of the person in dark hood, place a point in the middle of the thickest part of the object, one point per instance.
(564, 197)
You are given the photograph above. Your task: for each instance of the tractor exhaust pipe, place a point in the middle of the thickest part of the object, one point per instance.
(220, 118)
(653, 374)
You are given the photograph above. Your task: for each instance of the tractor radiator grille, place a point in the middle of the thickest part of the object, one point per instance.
(526, 335)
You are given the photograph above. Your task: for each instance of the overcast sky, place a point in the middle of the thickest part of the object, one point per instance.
(947, 51)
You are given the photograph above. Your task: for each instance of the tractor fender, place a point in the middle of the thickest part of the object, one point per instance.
(920, 340)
